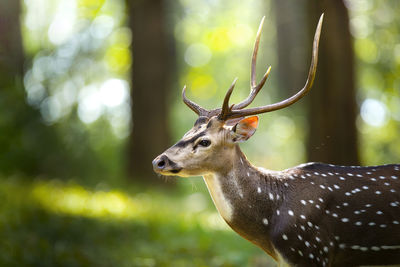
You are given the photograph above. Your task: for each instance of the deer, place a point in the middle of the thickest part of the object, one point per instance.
(313, 214)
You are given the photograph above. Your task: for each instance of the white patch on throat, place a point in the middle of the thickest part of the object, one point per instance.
(222, 204)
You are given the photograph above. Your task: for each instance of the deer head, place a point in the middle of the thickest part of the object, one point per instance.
(208, 146)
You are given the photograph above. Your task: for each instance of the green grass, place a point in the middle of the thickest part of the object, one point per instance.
(54, 223)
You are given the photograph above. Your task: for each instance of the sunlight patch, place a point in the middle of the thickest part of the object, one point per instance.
(75, 200)
(114, 92)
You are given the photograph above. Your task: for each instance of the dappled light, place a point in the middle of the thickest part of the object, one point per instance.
(63, 22)
(104, 57)
(73, 199)
(376, 29)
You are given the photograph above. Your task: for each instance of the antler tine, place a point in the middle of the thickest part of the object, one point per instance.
(225, 111)
(255, 88)
(254, 91)
(193, 106)
(255, 52)
(287, 102)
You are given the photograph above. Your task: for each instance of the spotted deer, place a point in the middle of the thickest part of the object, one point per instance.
(313, 214)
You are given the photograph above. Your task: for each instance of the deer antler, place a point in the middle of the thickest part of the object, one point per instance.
(193, 106)
(255, 88)
(235, 111)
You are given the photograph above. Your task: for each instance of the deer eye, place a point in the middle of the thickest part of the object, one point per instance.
(205, 142)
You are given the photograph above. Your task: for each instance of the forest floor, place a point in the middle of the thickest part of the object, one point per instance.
(57, 223)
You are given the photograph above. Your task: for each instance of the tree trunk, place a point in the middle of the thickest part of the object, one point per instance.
(332, 136)
(11, 53)
(290, 17)
(151, 73)
(13, 155)
(332, 116)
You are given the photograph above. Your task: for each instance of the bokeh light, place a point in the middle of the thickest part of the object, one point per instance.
(197, 55)
(374, 112)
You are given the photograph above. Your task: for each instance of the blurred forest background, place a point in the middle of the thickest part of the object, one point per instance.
(90, 94)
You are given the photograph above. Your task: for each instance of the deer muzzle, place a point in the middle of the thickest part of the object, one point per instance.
(163, 165)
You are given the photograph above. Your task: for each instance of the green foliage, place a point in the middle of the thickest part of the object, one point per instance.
(53, 223)
(77, 115)
(376, 29)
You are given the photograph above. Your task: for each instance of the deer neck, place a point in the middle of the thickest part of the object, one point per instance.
(245, 196)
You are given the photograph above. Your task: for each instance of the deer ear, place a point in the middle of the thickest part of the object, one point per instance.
(244, 129)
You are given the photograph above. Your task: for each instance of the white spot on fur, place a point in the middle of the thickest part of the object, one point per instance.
(271, 196)
(390, 247)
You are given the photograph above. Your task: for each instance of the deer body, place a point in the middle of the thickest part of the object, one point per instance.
(314, 214)
(311, 215)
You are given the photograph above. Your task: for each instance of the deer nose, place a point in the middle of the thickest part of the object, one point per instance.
(160, 163)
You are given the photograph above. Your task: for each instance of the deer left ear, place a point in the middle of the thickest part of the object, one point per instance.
(244, 129)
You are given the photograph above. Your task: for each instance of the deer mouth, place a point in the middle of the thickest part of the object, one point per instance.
(175, 171)
(169, 172)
